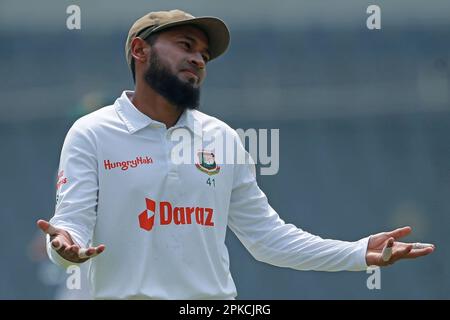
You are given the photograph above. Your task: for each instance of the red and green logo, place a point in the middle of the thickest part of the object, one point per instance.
(207, 163)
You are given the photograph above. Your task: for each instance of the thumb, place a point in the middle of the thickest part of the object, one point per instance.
(58, 238)
(46, 227)
(387, 250)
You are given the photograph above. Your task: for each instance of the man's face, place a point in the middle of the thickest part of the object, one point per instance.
(177, 65)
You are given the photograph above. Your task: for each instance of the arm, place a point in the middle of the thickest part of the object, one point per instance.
(269, 239)
(69, 232)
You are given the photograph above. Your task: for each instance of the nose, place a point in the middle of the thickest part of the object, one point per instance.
(197, 60)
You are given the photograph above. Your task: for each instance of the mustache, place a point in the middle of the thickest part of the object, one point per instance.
(195, 70)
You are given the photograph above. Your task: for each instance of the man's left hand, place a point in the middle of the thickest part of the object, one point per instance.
(400, 250)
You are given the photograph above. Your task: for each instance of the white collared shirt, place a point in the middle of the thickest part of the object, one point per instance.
(164, 224)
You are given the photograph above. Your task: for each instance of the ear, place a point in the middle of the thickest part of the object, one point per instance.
(139, 50)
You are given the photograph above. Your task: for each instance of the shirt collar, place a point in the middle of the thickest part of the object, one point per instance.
(135, 120)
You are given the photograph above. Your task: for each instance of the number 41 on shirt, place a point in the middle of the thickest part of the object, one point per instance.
(211, 182)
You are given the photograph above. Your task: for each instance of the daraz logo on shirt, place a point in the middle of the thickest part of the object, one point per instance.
(175, 215)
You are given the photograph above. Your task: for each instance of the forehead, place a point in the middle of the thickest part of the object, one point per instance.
(186, 31)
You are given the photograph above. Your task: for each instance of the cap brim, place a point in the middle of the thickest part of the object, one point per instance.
(215, 29)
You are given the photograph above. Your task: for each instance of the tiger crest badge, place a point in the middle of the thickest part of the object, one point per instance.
(207, 163)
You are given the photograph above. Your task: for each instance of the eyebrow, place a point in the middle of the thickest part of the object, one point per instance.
(195, 41)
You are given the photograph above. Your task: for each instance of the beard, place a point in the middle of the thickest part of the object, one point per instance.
(181, 94)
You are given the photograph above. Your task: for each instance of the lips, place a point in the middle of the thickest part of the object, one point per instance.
(192, 72)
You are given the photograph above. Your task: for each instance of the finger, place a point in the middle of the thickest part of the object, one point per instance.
(400, 232)
(69, 250)
(87, 253)
(91, 252)
(59, 243)
(415, 253)
(387, 250)
(56, 244)
(47, 227)
(71, 253)
(82, 253)
(419, 245)
(74, 249)
(402, 251)
(100, 249)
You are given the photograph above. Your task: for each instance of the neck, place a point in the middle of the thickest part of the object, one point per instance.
(150, 103)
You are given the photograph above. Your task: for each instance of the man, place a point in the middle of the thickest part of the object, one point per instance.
(163, 224)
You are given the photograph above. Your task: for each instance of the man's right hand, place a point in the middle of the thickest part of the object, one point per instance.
(62, 242)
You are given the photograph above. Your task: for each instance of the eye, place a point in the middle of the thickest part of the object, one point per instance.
(185, 44)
